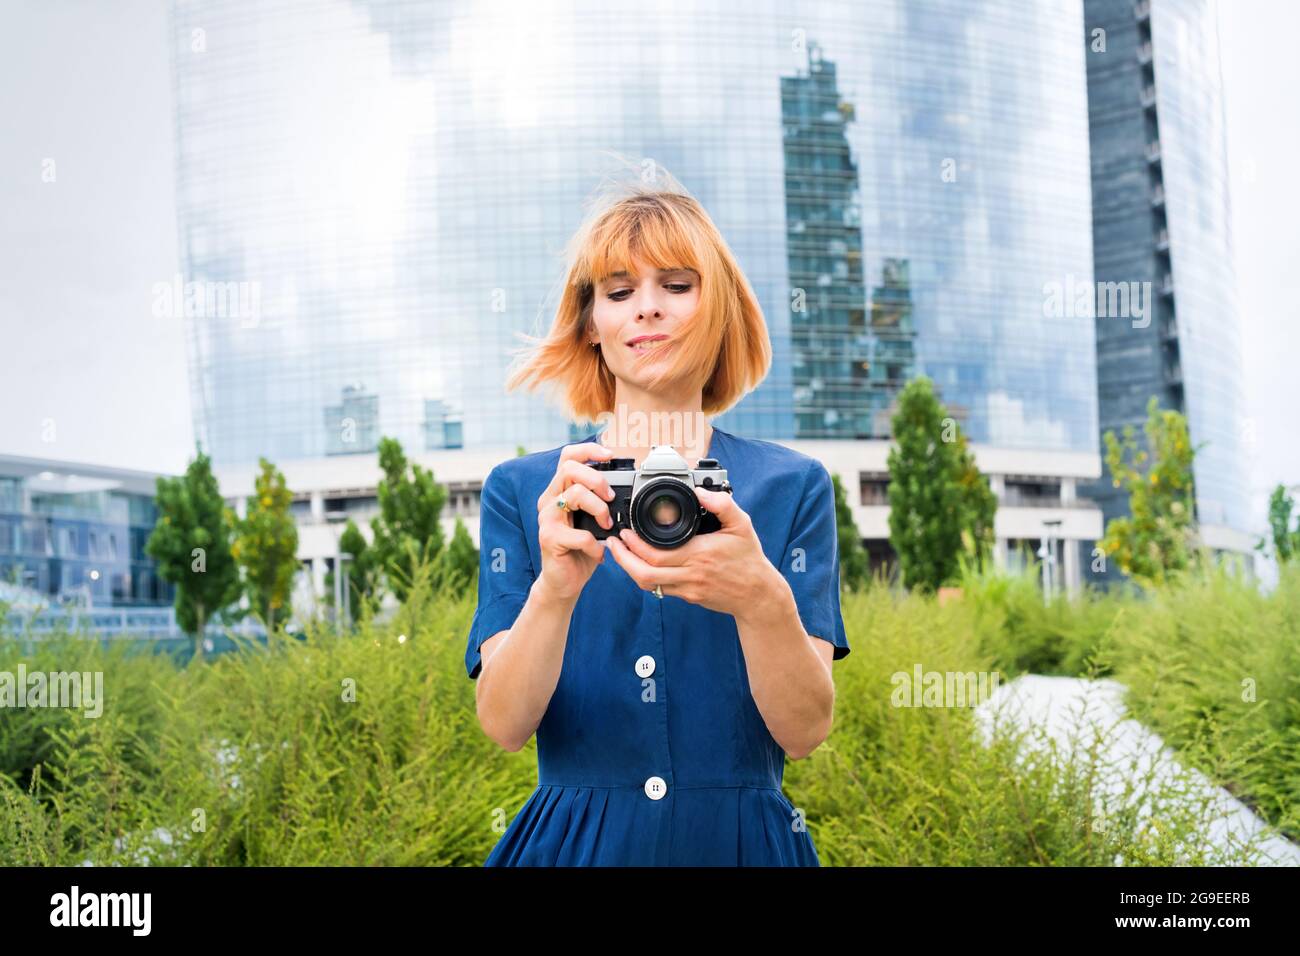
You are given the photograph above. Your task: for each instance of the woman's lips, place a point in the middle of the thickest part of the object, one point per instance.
(647, 345)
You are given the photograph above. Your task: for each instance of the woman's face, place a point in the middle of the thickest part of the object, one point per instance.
(653, 303)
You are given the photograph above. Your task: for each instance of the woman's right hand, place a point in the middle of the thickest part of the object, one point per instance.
(570, 555)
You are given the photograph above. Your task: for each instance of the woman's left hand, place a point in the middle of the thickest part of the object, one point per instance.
(725, 570)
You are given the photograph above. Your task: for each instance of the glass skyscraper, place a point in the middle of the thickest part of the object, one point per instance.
(899, 179)
(1160, 198)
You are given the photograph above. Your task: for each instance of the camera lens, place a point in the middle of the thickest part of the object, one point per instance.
(665, 512)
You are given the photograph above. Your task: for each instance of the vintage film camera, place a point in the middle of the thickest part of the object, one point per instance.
(658, 501)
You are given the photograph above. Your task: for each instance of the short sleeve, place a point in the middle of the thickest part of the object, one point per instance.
(505, 565)
(811, 561)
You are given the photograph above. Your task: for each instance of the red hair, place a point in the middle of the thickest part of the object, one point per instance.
(725, 350)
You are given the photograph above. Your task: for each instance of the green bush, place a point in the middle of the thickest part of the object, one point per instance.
(1025, 635)
(1190, 654)
(257, 758)
(364, 748)
(1213, 666)
(913, 786)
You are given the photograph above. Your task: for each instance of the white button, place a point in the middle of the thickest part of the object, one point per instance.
(656, 788)
(645, 665)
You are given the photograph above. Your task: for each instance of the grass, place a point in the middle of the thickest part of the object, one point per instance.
(1210, 663)
(365, 749)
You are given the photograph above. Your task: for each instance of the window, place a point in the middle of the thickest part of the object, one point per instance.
(1028, 492)
(462, 501)
(353, 506)
(873, 488)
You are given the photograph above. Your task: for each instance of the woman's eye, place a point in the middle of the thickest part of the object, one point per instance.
(677, 288)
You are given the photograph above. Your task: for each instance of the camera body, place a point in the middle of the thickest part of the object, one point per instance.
(658, 500)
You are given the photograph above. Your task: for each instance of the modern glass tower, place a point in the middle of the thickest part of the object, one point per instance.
(901, 180)
(1161, 223)
(897, 180)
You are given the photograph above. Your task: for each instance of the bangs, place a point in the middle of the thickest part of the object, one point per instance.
(643, 229)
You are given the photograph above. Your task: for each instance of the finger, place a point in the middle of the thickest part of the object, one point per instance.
(645, 575)
(576, 539)
(571, 473)
(581, 498)
(582, 452)
(578, 473)
(658, 557)
(722, 504)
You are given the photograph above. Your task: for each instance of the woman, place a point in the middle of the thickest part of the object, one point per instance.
(666, 686)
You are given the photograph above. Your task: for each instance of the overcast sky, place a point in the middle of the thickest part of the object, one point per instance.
(89, 375)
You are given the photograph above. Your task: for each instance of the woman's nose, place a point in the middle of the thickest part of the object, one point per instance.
(648, 303)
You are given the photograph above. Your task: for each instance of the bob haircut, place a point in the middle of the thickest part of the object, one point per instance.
(724, 350)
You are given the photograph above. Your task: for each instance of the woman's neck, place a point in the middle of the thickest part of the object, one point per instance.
(633, 433)
(692, 451)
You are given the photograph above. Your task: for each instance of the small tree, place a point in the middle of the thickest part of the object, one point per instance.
(407, 531)
(457, 565)
(1286, 541)
(266, 545)
(360, 573)
(191, 543)
(979, 506)
(928, 505)
(853, 556)
(1158, 538)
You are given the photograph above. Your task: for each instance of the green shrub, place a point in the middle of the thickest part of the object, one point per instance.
(1025, 635)
(1213, 666)
(914, 786)
(364, 748)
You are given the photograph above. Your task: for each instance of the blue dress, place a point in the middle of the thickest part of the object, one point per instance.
(652, 751)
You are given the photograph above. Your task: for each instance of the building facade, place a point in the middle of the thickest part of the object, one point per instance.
(392, 184)
(75, 535)
(1166, 317)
